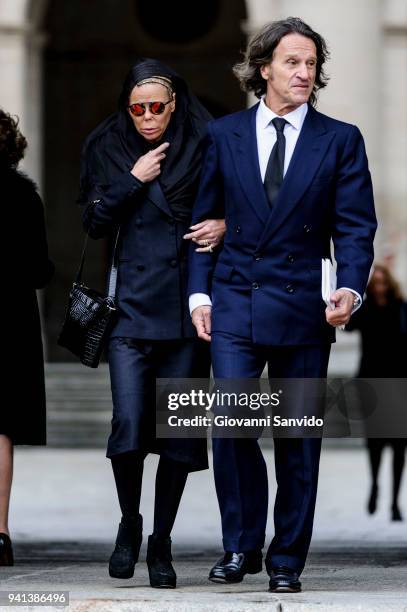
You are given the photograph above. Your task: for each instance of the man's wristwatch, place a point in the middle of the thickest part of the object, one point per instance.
(356, 302)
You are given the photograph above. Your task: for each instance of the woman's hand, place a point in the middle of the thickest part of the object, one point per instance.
(148, 166)
(208, 234)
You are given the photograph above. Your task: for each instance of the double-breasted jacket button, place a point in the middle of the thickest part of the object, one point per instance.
(257, 256)
(307, 228)
(290, 289)
(139, 223)
(290, 258)
(238, 229)
(255, 285)
(173, 263)
(140, 267)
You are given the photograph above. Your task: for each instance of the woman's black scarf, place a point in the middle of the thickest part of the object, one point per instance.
(115, 145)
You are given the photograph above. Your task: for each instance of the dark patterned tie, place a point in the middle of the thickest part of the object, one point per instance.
(275, 165)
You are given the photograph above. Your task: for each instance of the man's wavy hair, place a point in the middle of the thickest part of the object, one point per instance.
(260, 52)
(12, 142)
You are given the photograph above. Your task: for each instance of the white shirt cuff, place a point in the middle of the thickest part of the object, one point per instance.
(198, 299)
(358, 299)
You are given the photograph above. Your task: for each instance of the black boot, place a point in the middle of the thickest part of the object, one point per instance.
(160, 570)
(126, 552)
(6, 550)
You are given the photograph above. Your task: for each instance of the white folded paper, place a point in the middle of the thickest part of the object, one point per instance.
(328, 282)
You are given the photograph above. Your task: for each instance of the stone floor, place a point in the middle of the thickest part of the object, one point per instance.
(64, 518)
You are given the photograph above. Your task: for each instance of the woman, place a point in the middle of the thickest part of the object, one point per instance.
(26, 269)
(382, 322)
(140, 171)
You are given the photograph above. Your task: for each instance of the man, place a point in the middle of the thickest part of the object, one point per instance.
(288, 180)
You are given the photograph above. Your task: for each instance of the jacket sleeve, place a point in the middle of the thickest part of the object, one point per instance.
(105, 203)
(357, 319)
(209, 204)
(354, 224)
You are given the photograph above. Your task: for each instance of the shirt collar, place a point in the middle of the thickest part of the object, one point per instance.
(294, 118)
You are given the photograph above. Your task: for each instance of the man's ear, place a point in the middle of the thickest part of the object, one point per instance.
(265, 71)
(173, 102)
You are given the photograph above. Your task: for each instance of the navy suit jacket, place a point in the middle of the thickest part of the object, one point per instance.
(265, 282)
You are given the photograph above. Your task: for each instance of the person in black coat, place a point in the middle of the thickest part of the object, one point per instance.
(25, 269)
(140, 173)
(382, 322)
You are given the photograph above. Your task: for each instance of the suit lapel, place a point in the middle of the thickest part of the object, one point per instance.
(309, 152)
(243, 143)
(156, 195)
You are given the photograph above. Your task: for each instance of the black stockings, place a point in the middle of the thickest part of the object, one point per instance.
(169, 486)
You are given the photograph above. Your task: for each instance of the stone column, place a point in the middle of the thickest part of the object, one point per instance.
(353, 33)
(20, 76)
(394, 137)
(259, 12)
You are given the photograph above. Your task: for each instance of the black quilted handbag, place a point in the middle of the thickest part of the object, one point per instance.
(89, 315)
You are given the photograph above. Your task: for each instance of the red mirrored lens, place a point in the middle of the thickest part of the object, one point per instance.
(157, 108)
(137, 109)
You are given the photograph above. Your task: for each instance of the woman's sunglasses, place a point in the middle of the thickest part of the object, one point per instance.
(156, 108)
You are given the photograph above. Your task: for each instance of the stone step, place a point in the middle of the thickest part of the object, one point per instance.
(79, 405)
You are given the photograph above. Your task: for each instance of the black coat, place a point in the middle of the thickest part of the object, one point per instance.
(384, 339)
(152, 277)
(26, 268)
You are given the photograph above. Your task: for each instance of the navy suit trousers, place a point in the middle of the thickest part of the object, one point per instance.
(239, 466)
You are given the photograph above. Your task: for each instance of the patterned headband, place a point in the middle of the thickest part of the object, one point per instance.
(159, 80)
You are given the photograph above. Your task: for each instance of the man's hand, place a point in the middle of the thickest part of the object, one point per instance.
(201, 318)
(343, 300)
(148, 166)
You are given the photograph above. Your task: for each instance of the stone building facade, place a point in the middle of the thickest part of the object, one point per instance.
(62, 64)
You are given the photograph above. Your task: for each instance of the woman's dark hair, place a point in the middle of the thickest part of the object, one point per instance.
(12, 142)
(261, 48)
(393, 292)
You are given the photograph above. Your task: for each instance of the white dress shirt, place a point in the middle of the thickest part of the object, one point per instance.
(266, 133)
(266, 138)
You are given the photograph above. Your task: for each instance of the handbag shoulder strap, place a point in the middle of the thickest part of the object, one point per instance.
(78, 278)
(112, 279)
(111, 292)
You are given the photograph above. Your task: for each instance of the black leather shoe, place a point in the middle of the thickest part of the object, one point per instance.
(6, 550)
(160, 570)
(284, 580)
(126, 552)
(233, 566)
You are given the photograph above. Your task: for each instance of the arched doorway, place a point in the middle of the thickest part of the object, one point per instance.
(89, 47)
